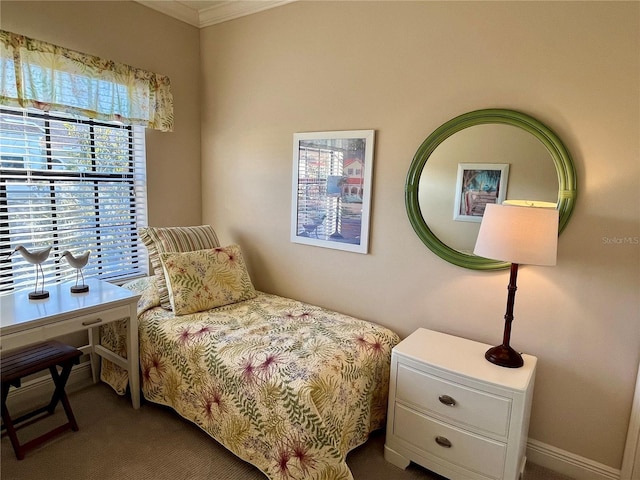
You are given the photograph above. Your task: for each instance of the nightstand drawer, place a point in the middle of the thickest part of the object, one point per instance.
(461, 404)
(456, 446)
(85, 322)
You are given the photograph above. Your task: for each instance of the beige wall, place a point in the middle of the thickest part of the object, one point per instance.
(403, 69)
(136, 35)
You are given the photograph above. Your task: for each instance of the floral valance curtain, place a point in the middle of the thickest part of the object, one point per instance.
(48, 77)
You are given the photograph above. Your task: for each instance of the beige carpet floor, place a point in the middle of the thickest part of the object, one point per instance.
(116, 442)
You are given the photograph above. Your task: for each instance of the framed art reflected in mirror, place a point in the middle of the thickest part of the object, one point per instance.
(478, 184)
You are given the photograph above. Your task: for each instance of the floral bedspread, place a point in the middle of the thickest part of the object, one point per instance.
(289, 387)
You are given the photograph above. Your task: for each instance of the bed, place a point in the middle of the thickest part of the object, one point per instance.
(289, 387)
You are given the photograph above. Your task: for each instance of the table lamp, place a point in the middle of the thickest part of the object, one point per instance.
(519, 235)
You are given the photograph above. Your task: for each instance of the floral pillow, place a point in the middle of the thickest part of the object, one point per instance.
(160, 240)
(205, 279)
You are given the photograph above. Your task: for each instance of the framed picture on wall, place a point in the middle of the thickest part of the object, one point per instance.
(331, 198)
(478, 184)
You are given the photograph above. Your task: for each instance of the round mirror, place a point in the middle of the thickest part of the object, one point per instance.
(485, 156)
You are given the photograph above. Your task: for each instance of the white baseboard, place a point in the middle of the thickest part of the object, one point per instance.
(569, 464)
(34, 392)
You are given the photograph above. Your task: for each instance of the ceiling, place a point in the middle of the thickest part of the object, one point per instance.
(203, 13)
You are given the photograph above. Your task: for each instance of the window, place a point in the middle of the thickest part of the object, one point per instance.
(74, 184)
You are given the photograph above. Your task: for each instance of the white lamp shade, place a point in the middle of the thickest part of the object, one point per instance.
(515, 234)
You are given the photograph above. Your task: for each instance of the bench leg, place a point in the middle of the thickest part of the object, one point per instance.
(59, 395)
(8, 424)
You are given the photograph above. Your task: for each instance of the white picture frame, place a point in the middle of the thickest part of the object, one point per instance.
(478, 184)
(331, 189)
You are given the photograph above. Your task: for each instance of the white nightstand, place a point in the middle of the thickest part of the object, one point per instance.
(455, 413)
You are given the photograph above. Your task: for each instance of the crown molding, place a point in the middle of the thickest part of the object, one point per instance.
(175, 10)
(229, 10)
(218, 12)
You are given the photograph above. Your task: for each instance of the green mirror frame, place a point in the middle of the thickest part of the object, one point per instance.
(567, 190)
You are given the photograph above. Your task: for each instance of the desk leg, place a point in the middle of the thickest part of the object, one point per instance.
(94, 339)
(133, 356)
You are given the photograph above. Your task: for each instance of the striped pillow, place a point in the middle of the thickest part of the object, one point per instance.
(174, 239)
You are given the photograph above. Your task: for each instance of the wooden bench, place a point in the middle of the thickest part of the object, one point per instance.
(22, 362)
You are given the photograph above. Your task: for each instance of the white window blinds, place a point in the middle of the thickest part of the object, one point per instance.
(74, 184)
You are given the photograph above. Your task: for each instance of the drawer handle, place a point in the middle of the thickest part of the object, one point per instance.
(443, 442)
(92, 322)
(447, 400)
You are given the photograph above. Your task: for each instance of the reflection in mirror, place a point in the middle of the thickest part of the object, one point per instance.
(532, 175)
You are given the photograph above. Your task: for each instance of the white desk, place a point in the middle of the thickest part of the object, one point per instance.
(24, 321)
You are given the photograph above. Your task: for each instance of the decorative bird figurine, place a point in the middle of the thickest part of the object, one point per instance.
(36, 258)
(78, 263)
